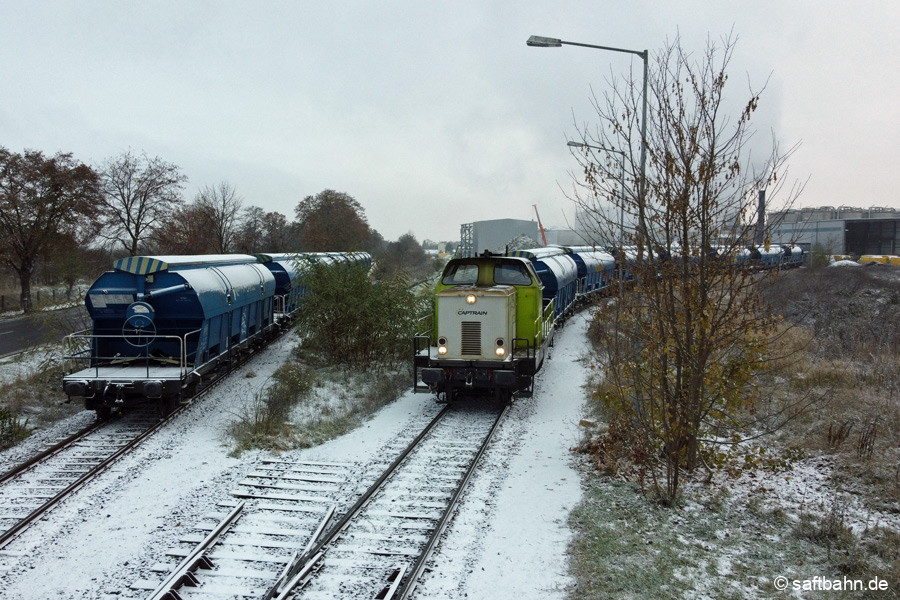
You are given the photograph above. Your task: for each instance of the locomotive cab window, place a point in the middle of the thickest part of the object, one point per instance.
(511, 274)
(461, 274)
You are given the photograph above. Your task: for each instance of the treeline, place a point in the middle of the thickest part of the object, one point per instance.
(62, 220)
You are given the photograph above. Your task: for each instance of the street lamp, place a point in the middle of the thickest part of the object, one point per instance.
(546, 42)
(621, 183)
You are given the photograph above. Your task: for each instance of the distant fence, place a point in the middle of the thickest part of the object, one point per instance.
(39, 299)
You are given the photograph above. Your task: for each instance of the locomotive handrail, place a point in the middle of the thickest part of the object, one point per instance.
(421, 341)
(428, 320)
(424, 331)
(525, 344)
(547, 319)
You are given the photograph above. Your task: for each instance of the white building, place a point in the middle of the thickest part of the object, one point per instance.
(842, 230)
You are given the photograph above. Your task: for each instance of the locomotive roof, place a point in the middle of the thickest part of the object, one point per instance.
(145, 265)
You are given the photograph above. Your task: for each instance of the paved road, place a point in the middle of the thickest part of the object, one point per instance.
(20, 333)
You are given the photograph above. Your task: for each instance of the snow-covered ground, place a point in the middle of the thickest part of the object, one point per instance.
(507, 540)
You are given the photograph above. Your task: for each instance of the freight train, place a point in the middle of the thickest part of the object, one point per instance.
(495, 314)
(160, 324)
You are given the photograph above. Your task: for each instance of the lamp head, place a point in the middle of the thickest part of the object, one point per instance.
(543, 42)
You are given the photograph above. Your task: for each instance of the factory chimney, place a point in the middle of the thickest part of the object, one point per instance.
(761, 218)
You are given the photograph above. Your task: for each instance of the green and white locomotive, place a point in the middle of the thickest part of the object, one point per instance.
(490, 330)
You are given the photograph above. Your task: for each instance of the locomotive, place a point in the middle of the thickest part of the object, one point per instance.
(495, 317)
(162, 323)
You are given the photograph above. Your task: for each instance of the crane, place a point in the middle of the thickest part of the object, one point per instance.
(541, 227)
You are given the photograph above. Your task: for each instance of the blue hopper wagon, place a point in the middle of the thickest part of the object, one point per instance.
(160, 323)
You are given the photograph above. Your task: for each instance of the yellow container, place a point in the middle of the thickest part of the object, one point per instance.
(870, 258)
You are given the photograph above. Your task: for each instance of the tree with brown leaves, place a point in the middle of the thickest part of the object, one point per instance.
(683, 347)
(41, 199)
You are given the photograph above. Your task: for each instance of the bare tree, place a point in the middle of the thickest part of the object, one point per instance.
(138, 193)
(222, 207)
(683, 348)
(186, 231)
(249, 238)
(41, 199)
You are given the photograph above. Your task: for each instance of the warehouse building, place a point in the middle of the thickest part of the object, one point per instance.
(842, 230)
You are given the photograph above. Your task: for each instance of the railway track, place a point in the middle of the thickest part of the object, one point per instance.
(280, 538)
(31, 489)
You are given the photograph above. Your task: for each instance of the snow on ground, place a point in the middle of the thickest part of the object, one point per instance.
(507, 540)
(509, 537)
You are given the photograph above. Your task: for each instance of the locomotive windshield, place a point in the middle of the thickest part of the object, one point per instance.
(461, 274)
(504, 273)
(511, 274)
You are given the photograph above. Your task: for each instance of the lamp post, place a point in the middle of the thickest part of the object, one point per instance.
(546, 42)
(621, 183)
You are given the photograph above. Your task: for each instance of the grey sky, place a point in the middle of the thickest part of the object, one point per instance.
(430, 114)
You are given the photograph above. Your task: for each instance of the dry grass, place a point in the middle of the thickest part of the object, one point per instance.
(836, 357)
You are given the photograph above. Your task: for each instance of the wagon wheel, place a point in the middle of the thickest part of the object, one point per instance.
(138, 331)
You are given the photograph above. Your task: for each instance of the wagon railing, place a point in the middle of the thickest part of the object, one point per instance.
(82, 353)
(279, 304)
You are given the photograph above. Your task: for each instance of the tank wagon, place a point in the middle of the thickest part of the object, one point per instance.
(287, 269)
(162, 323)
(793, 256)
(773, 257)
(596, 268)
(558, 272)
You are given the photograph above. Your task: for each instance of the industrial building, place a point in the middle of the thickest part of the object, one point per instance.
(842, 230)
(495, 234)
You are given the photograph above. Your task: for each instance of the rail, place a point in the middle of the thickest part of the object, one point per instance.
(81, 480)
(184, 572)
(419, 566)
(313, 554)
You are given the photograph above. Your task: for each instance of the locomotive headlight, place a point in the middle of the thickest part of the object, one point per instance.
(470, 298)
(500, 349)
(442, 345)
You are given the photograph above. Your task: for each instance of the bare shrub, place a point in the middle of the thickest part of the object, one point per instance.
(865, 446)
(838, 433)
(12, 429)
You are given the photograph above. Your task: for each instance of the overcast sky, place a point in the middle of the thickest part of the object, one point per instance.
(430, 114)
